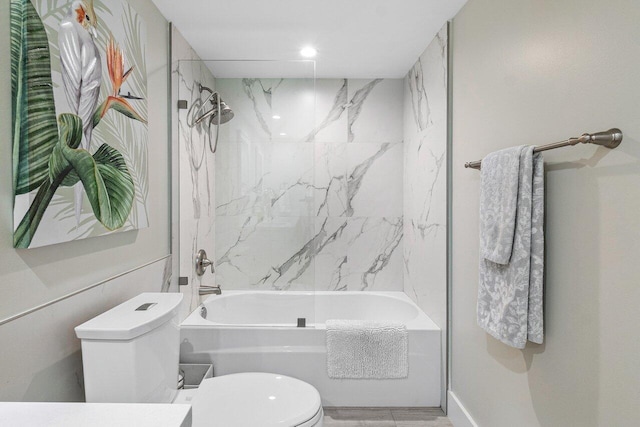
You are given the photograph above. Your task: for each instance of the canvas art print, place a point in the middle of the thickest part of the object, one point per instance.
(79, 86)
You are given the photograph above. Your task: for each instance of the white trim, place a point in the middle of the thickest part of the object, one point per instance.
(457, 413)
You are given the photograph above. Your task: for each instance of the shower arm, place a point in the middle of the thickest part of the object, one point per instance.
(201, 118)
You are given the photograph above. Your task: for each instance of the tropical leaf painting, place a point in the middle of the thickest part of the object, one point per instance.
(80, 142)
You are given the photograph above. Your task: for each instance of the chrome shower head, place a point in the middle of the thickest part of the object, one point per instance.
(220, 113)
(225, 114)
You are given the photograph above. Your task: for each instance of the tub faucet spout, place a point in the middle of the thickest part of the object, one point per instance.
(208, 290)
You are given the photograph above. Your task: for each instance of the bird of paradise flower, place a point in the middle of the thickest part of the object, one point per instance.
(50, 152)
(117, 75)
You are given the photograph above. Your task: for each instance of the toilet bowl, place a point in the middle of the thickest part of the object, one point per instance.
(256, 399)
(130, 354)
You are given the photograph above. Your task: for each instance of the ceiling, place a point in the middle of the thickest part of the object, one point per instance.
(354, 38)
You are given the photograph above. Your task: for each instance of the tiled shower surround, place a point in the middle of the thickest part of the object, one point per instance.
(307, 208)
(337, 185)
(425, 181)
(344, 190)
(425, 185)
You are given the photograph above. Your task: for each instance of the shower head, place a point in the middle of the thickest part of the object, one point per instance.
(220, 112)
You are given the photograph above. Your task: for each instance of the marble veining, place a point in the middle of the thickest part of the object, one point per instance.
(247, 87)
(419, 97)
(293, 268)
(311, 209)
(356, 103)
(241, 204)
(326, 190)
(330, 179)
(434, 167)
(196, 167)
(247, 228)
(425, 147)
(339, 106)
(441, 39)
(392, 233)
(357, 175)
(376, 109)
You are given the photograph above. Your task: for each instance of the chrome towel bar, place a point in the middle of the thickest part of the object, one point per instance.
(610, 138)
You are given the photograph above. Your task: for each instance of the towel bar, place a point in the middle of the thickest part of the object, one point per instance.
(610, 138)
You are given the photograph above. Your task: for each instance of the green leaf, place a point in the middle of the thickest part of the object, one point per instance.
(105, 176)
(35, 131)
(70, 137)
(118, 183)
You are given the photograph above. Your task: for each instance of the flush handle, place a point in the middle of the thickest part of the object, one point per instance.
(146, 306)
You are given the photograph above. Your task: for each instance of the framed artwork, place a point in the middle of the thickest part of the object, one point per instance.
(79, 108)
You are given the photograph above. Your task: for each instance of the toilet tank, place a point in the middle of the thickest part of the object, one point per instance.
(130, 353)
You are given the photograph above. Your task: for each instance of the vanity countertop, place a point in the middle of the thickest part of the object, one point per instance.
(50, 414)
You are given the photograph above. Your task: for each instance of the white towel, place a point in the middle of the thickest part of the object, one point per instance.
(366, 349)
(510, 296)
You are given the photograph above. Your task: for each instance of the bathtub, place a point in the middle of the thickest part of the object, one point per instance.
(256, 331)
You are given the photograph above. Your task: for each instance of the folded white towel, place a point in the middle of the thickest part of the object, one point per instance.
(366, 349)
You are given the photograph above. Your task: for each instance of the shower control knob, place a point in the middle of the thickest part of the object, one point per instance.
(202, 263)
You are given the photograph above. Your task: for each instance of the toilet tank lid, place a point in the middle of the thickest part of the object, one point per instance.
(132, 318)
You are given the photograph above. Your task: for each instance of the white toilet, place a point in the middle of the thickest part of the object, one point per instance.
(130, 354)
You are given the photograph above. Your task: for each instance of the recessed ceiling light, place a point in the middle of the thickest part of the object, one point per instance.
(276, 117)
(308, 52)
(283, 134)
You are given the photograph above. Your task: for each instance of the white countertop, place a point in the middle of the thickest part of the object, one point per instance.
(49, 414)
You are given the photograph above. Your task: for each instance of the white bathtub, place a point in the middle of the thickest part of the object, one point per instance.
(253, 331)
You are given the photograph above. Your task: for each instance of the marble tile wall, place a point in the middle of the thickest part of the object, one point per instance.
(311, 200)
(346, 190)
(196, 169)
(425, 183)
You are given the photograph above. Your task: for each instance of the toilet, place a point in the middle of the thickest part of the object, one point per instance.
(130, 355)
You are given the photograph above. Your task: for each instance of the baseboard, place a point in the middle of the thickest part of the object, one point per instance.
(457, 414)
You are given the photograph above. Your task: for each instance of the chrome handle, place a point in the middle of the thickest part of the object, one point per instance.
(202, 263)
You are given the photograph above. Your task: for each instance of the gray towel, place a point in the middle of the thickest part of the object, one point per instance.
(535, 331)
(498, 202)
(510, 296)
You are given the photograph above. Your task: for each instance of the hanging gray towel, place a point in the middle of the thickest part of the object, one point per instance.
(498, 202)
(535, 331)
(510, 295)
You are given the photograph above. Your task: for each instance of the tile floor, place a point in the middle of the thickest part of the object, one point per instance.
(385, 417)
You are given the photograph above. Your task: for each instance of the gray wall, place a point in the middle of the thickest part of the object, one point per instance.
(532, 72)
(40, 355)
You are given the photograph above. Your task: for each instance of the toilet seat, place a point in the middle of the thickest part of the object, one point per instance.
(256, 399)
